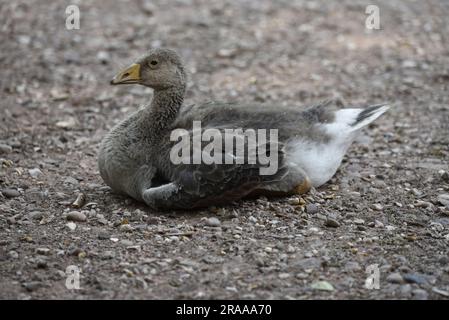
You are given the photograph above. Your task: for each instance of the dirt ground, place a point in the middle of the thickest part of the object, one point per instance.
(388, 204)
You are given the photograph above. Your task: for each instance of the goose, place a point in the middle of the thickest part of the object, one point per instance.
(136, 156)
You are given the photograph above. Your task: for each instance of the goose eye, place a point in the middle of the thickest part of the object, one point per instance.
(153, 63)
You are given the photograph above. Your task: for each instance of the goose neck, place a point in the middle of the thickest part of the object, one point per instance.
(164, 108)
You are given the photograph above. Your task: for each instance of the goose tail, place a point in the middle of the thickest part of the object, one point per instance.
(367, 115)
(350, 120)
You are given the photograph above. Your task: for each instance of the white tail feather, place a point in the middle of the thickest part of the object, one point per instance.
(353, 119)
(368, 115)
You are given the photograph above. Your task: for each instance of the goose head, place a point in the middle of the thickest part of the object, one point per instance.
(158, 69)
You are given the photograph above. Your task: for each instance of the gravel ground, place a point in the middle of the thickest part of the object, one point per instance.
(388, 205)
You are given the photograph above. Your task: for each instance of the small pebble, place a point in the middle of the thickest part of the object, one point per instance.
(252, 219)
(74, 251)
(322, 286)
(35, 215)
(43, 251)
(41, 263)
(395, 278)
(226, 53)
(148, 8)
(71, 180)
(377, 207)
(212, 222)
(444, 200)
(10, 193)
(301, 276)
(103, 57)
(126, 228)
(444, 175)
(405, 290)
(4, 148)
(71, 225)
(103, 235)
(126, 243)
(415, 278)
(311, 208)
(352, 266)
(332, 223)
(420, 294)
(33, 285)
(11, 220)
(35, 172)
(108, 254)
(441, 292)
(76, 216)
(294, 201)
(378, 224)
(13, 254)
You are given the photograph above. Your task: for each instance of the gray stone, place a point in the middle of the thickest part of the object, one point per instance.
(332, 223)
(420, 294)
(352, 266)
(76, 216)
(11, 220)
(126, 242)
(294, 201)
(415, 278)
(13, 254)
(443, 221)
(126, 228)
(32, 285)
(35, 215)
(395, 278)
(103, 235)
(405, 290)
(4, 148)
(41, 263)
(311, 208)
(441, 292)
(307, 263)
(71, 180)
(103, 57)
(210, 259)
(445, 176)
(444, 200)
(10, 193)
(322, 285)
(108, 255)
(284, 276)
(71, 225)
(212, 222)
(35, 172)
(43, 251)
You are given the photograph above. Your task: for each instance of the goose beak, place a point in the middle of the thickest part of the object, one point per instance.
(129, 75)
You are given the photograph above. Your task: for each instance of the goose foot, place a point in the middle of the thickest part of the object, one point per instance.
(161, 196)
(304, 187)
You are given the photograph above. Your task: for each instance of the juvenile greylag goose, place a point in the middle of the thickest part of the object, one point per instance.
(139, 157)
